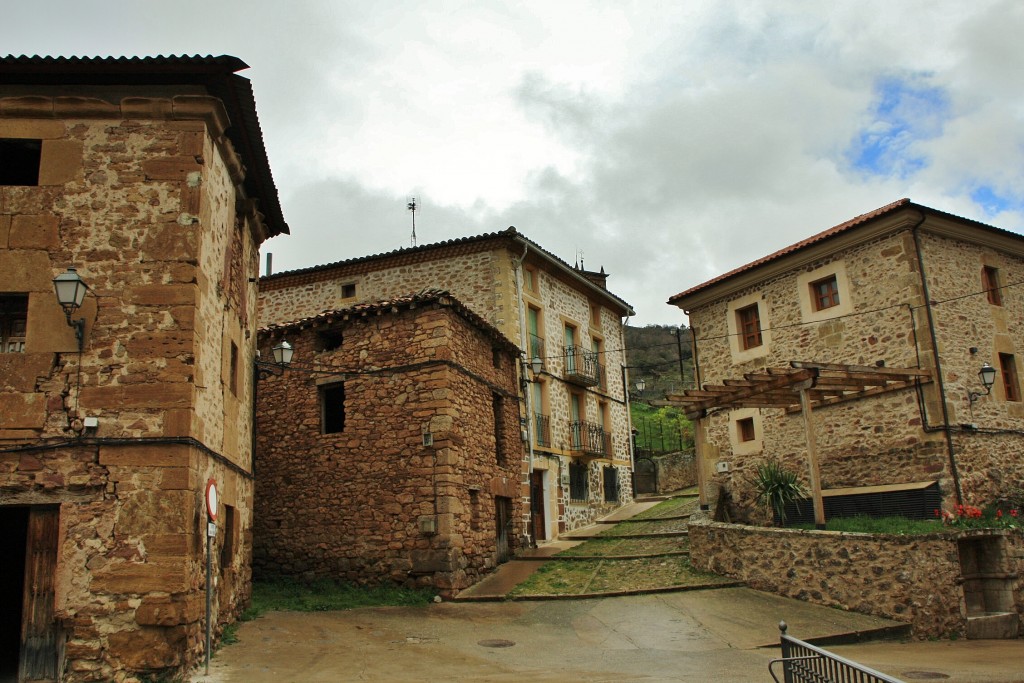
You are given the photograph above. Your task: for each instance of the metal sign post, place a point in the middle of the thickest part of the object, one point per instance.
(211, 532)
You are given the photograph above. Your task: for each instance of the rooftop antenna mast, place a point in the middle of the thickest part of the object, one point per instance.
(412, 208)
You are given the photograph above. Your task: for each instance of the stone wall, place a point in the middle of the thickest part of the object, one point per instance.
(353, 505)
(482, 273)
(913, 579)
(897, 437)
(140, 196)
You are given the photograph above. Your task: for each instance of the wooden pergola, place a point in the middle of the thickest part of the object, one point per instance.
(799, 388)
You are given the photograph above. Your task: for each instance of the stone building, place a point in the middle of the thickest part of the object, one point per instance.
(389, 451)
(576, 456)
(149, 176)
(884, 321)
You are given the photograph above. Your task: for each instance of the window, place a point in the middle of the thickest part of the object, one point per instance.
(570, 349)
(825, 293)
(578, 484)
(990, 283)
(19, 161)
(332, 408)
(13, 320)
(745, 429)
(595, 315)
(328, 340)
(749, 326)
(233, 369)
(530, 280)
(348, 290)
(497, 405)
(1008, 368)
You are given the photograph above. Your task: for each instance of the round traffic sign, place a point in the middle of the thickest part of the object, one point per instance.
(211, 499)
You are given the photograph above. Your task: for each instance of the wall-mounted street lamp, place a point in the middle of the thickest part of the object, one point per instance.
(536, 365)
(641, 385)
(283, 352)
(987, 375)
(71, 289)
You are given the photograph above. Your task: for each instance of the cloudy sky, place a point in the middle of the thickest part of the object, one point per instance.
(665, 142)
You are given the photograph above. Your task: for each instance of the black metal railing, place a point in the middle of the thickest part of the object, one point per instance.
(582, 366)
(542, 430)
(805, 663)
(588, 438)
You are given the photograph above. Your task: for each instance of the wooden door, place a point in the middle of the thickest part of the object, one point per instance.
(503, 524)
(37, 660)
(537, 506)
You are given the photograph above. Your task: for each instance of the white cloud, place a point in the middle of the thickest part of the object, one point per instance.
(668, 143)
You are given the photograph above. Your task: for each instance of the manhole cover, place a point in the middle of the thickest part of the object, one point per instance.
(924, 675)
(495, 642)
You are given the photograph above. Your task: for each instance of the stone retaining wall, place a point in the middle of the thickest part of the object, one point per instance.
(914, 579)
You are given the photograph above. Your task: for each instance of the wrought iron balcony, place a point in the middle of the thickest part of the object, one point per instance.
(582, 366)
(589, 439)
(542, 430)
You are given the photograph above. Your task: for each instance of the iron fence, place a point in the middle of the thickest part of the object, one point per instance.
(804, 663)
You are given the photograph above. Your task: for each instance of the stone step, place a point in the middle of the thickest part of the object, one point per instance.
(993, 626)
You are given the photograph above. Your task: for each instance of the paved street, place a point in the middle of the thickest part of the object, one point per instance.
(689, 636)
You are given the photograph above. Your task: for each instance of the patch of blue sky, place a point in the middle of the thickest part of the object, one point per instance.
(904, 112)
(993, 203)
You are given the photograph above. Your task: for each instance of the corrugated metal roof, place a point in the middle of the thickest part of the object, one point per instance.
(216, 74)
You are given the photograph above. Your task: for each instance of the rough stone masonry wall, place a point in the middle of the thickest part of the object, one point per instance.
(988, 457)
(866, 442)
(913, 579)
(348, 505)
(123, 195)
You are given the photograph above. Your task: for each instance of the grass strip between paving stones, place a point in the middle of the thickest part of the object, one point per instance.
(673, 507)
(646, 527)
(585, 577)
(629, 547)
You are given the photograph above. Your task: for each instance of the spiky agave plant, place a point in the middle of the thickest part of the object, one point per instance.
(777, 487)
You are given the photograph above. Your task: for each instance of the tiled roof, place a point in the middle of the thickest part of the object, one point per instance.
(216, 74)
(509, 233)
(847, 226)
(394, 304)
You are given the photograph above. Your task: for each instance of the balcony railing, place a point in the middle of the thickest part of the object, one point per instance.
(582, 366)
(590, 439)
(542, 430)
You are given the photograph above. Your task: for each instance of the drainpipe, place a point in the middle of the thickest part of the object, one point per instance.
(938, 362)
(524, 387)
(629, 408)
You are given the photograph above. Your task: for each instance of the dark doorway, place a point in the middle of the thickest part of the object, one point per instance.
(14, 530)
(28, 636)
(503, 524)
(646, 476)
(537, 506)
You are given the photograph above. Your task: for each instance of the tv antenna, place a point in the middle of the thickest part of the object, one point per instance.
(411, 205)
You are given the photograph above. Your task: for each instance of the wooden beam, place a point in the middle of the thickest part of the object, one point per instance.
(812, 460)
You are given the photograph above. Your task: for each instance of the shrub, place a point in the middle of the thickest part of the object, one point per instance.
(777, 487)
(991, 517)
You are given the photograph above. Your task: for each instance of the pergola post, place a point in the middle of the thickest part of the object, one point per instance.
(812, 457)
(700, 442)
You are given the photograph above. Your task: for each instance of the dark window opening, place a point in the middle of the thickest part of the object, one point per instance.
(990, 283)
(332, 408)
(578, 482)
(328, 340)
(348, 291)
(825, 293)
(1011, 386)
(745, 429)
(497, 405)
(19, 161)
(13, 323)
(233, 370)
(749, 322)
(496, 357)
